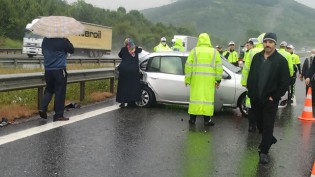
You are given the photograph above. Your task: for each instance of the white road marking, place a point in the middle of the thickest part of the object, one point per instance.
(294, 102)
(36, 130)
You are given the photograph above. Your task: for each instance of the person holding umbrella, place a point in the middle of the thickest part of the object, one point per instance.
(55, 48)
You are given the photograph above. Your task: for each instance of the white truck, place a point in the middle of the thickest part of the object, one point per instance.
(189, 42)
(32, 42)
(96, 41)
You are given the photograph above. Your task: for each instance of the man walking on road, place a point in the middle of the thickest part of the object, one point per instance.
(268, 80)
(55, 55)
(203, 72)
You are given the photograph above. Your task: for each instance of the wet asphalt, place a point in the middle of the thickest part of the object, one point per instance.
(158, 142)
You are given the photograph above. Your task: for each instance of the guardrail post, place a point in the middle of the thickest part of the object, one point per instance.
(112, 86)
(82, 90)
(15, 63)
(40, 63)
(40, 91)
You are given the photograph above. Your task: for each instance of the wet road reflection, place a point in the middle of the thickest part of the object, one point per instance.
(135, 142)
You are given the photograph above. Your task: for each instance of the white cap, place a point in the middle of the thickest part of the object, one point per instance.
(163, 39)
(290, 46)
(283, 43)
(231, 43)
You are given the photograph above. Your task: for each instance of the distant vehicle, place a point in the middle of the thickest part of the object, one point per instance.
(32, 43)
(96, 41)
(189, 42)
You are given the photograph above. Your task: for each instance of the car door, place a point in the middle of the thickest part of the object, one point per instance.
(165, 75)
(226, 93)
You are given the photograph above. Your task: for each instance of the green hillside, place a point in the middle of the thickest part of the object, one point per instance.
(237, 20)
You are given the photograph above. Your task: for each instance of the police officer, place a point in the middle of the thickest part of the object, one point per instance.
(178, 45)
(296, 67)
(287, 55)
(231, 55)
(219, 49)
(203, 72)
(162, 46)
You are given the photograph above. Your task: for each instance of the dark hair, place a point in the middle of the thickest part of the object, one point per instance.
(250, 42)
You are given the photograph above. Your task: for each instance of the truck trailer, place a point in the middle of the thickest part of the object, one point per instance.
(189, 42)
(96, 41)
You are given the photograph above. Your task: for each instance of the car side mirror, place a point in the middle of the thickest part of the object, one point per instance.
(143, 65)
(225, 75)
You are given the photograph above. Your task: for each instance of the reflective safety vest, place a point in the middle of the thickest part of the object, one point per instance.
(247, 63)
(203, 69)
(178, 46)
(296, 59)
(233, 56)
(287, 56)
(246, 68)
(161, 48)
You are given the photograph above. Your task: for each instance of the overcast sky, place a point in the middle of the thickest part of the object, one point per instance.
(144, 4)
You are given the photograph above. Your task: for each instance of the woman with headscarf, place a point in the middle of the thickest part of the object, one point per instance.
(128, 90)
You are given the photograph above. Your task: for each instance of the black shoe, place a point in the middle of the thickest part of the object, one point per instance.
(61, 119)
(263, 158)
(42, 114)
(207, 124)
(274, 140)
(123, 105)
(252, 128)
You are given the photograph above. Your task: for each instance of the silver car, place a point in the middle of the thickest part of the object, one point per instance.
(163, 82)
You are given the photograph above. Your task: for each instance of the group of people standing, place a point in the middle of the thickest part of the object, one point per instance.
(267, 74)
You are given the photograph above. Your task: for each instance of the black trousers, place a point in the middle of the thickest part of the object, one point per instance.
(265, 113)
(193, 117)
(56, 83)
(291, 88)
(252, 118)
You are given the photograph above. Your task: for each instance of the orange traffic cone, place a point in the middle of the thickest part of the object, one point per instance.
(307, 113)
(313, 171)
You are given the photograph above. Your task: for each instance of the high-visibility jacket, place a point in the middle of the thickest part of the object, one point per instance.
(248, 61)
(296, 62)
(178, 46)
(203, 69)
(296, 59)
(233, 56)
(287, 56)
(161, 48)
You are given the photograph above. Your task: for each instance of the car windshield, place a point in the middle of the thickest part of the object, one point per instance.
(231, 67)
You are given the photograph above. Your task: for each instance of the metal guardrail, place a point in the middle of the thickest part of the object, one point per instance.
(10, 82)
(39, 61)
(10, 51)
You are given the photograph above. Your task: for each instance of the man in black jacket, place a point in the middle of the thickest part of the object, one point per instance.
(305, 70)
(268, 80)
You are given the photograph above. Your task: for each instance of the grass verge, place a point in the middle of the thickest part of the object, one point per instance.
(23, 103)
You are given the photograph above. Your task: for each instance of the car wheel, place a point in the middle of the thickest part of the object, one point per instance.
(147, 98)
(30, 55)
(242, 105)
